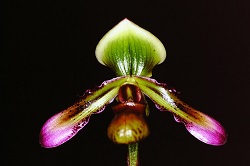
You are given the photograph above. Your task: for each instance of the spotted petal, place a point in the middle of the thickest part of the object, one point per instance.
(64, 125)
(200, 125)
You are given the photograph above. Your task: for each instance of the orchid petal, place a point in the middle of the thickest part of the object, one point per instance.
(200, 125)
(64, 125)
(130, 50)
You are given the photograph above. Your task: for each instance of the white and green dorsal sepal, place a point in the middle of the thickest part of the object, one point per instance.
(130, 50)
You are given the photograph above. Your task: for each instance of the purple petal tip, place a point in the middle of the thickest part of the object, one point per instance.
(58, 130)
(204, 128)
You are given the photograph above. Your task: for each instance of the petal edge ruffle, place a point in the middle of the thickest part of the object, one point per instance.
(64, 125)
(200, 125)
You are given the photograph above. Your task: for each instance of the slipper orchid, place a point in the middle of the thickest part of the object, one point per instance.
(131, 52)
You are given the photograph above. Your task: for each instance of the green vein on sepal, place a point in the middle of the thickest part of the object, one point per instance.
(130, 50)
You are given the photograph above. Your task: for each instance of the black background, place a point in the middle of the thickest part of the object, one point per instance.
(49, 61)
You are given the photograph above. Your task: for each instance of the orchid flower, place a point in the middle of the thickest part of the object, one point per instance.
(131, 52)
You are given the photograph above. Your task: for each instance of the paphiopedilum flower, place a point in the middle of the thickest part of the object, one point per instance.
(131, 52)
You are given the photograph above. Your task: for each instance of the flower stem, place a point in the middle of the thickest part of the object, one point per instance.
(133, 156)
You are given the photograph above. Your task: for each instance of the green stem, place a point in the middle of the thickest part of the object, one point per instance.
(133, 156)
